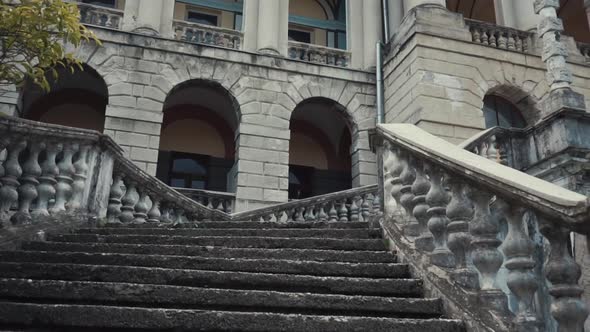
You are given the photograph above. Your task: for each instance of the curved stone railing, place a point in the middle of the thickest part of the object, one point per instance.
(500, 37)
(207, 34)
(496, 144)
(101, 16)
(449, 205)
(319, 54)
(356, 204)
(50, 171)
(217, 200)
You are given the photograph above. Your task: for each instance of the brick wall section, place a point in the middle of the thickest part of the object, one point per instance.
(267, 89)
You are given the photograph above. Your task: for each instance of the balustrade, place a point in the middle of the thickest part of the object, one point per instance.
(351, 205)
(207, 34)
(217, 200)
(100, 15)
(466, 196)
(318, 54)
(500, 37)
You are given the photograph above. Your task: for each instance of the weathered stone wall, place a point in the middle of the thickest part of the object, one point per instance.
(140, 71)
(439, 84)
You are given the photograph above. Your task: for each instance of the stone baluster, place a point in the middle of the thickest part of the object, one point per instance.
(309, 215)
(437, 200)
(420, 188)
(502, 41)
(227, 207)
(332, 214)
(484, 38)
(366, 207)
(475, 35)
(484, 249)
(354, 209)
(179, 216)
(521, 281)
(114, 207)
(395, 172)
(492, 151)
(299, 214)
(267, 217)
(459, 212)
(64, 179)
(511, 41)
(343, 211)
(4, 141)
(141, 208)
(154, 213)
(27, 192)
(47, 182)
(562, 271)
(279, 216)
(492, 39)
(165, 218)
(220, 205)
(408, 176)
(12, 171)
(518, 43)
(129, 200)
(79, 184)
(322, 215)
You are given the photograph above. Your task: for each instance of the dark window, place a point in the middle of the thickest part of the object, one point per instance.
(300, 36)
(188, 171)
(300, 181)
(201, 18)
(238, 21)
(500, 112)
(103, 3)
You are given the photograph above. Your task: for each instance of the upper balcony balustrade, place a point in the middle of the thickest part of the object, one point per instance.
(100, 15)
(207, 34)
(500, 37)
(319, 54)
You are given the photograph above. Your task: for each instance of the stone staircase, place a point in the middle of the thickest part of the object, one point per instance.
(214, 276)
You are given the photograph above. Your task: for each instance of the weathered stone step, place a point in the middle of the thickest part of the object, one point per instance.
(215, 299)
(220, 252)
(262, 232)
(82, 316)
(216, 279)
(229, 241)
(369, 270)
(252, 224)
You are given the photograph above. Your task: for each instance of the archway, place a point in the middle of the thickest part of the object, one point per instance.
(480, 10)
(77, 98)
(319, 149)
(197, 137)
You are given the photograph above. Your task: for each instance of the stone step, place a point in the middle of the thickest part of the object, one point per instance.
(369, 270)
(215, 279)
(215, 299)
(229, 241)
(94, 316)
(257, 232)
(317, 255)
(252, 224)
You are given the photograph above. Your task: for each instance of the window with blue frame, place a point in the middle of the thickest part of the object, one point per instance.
(201, 18)
(502, 113)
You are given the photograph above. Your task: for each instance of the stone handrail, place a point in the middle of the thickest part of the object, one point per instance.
(217, 200)
(100, 15)
(495, 144)
(319, 54)
(52, 171)
(448, 207)
(500, 37)
(355, 204)
(207, 34)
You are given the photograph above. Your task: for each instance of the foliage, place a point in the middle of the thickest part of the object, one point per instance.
(33, 39)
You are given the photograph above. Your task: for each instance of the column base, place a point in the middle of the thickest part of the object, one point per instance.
(424, 243)
(562, 99)
(442, 258)
(465, 278)
(495, 300)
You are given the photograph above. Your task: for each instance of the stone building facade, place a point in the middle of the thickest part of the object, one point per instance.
(289, 87)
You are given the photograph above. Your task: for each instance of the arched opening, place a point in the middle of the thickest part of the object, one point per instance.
(575, 20)
(77, 98)
(319, 149)
(499, 112)
(197, 137)
(480, 10)
(318, 22)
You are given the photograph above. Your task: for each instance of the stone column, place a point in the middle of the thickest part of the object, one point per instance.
(354, 32)
(250, 25)
(371, 30)
(558, 76)
(411, 4)
(271, 21)
(149, 17)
